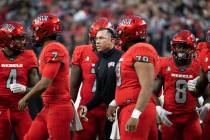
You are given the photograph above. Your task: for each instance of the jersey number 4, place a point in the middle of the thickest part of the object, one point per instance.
(181, 95)
(12, 78)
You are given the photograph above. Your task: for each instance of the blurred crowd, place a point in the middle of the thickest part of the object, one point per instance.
(165, 17)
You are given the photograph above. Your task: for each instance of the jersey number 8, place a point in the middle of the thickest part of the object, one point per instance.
(181, 95)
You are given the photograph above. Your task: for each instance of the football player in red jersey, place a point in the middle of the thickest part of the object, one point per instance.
(83, 70)
(135, 78)
(53, 121)
(202, 86)
(18, 72)
(178, 114)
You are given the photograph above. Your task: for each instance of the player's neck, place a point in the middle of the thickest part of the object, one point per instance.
(182, 63)
(10, 54)
(8, 51)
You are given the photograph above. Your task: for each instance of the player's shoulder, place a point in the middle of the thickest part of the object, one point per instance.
(55, 48)
(145, 46)
(28, 55)
(196, 61)
(165, 61)
(28, 52)
(143, 49)
(202, 45)
(83, 48)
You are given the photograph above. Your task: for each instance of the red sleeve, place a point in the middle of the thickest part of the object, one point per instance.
(76, 58)
(51, 70)
(144, 54)
(161, 62)
(54, 53)
(33, 61)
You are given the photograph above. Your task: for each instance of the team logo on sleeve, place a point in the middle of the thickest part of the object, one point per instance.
(206, 59)
(87, 58)
(168, 68)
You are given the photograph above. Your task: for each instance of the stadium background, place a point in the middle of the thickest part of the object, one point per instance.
(165, 17)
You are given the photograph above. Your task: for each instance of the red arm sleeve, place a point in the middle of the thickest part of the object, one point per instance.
(54, 53)
(51, 70)
(144, 54)
(76, 58)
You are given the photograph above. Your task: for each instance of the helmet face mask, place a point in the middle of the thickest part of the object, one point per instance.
(19, 41)
(183, 46)
(182, 51)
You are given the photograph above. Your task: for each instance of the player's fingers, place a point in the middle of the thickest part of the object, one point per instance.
(168, 113)
(167, 122)
(84, 118)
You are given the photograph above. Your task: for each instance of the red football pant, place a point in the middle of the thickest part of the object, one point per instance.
(13, 119)
(206, 128)
(52, 122)
(147, 126)
(94, 126)
(185, 127)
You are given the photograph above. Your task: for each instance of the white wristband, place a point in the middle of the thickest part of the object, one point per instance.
(136, 114)
(113, 103)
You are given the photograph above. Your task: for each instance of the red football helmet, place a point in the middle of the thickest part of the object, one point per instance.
(183, 45)
(45, 25)
(98, 24)
(131, 28)
(12, 35)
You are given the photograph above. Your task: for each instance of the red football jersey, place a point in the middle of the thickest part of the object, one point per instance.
(59, 90)
(128, 86)
(177, 97)
(85, 57)
(205, 62)
(201, 49)
(14, 71)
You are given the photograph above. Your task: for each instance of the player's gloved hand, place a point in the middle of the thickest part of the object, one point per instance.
(111, 111)
(83, 112)
(191, 84)
(162, 113)
(17, 88)
(204, 111)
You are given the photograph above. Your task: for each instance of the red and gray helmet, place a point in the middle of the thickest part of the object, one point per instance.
(131, 28)
(45, 25)
(12, 35)
(183, 45)
(97, 25)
